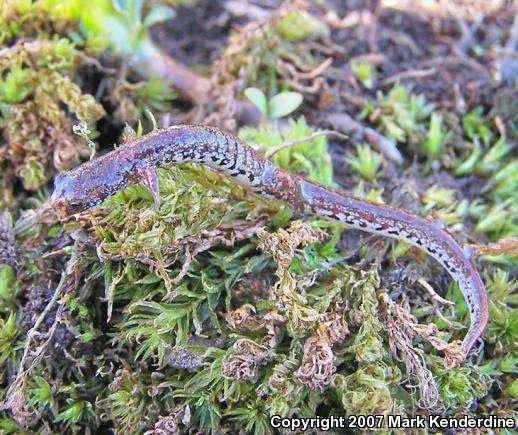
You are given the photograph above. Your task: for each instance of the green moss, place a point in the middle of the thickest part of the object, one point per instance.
(309, 158)
(41, 99)
(297, 24)
(404, 114)
(461, 386)
(366, 162)
(217, 310)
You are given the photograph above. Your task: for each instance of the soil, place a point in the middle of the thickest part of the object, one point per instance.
(432, 54)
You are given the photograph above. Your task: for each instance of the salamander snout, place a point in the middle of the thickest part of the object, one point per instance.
(60, 207)
(59, 204)
(61, 199)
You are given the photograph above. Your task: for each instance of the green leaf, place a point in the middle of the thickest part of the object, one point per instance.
(476, 126)
(159, 15)
(257, 97)
(284, 104)
(8, 426)
(467, 166)
(434, 145)
(7, 283)
(72, 414)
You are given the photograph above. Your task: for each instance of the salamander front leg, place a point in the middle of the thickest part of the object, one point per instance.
(150, 180)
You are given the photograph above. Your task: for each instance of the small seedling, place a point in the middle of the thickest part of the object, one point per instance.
(41, 396)
(122, 23)
(280, 105)
(433, 147)
(366, 162)
(365, 72)
(476, 127)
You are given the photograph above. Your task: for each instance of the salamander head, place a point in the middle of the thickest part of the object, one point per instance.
(67, 197)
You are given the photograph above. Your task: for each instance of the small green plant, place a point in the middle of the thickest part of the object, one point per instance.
(493, 158)
(303, 155)
(499, 220)
(434, 145)
(367, 162)
(123, 24)
(461, 385)
(467, 165)
(8, 335)
(476, 127)
(278, 106)
(487, 154)
(297, 24)
(436, 197)
(403, 115)
(504, 184)
(135, 100)
(41, 395)
(73, 413)
(366, 73)
(14, 87)
(8, 286)
(252, 417)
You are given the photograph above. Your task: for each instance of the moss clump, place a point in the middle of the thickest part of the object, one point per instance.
(221, 309)
(306, 157)
(41, 102)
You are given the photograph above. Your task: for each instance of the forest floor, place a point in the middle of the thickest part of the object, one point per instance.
(221, 309)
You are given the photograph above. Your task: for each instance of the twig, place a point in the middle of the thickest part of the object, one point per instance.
(57, 293)
(434, 295)
(89, 60)
(444, 61)
(311, 75)
(400, 38)
(349, 126)
(503, 246)
(410, 74)
(312, 136)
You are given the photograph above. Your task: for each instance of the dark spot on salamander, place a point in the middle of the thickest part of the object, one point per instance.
(233, 166)
(447, 265)
(214, 158)
(224, 161)
(431, 250)
(251, 177)
(419, 242)
(242, 171)
(393, 232)
(380, 228)
(362, 224)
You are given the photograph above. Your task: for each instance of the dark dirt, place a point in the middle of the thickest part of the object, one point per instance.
(196, 35)
(433, 53)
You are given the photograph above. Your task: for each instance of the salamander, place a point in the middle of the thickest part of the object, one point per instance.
(90, 183)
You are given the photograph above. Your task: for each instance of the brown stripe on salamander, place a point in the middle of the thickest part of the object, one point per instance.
(136, 162)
